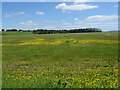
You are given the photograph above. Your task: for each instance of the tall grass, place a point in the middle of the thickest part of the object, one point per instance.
(66, 65)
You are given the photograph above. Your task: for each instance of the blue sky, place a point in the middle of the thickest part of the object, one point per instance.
(60, 15)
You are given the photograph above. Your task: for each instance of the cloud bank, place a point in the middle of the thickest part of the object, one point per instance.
(74, 7)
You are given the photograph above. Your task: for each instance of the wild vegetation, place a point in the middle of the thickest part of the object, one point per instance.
(73, 60)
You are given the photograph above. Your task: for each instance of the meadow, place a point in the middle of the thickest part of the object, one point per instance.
(74, 60)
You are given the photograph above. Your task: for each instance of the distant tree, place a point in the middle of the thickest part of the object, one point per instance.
(20, 30)
(8, 30)
(3, 30)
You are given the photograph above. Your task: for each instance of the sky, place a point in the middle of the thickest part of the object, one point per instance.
(60, 15)
(60, 0)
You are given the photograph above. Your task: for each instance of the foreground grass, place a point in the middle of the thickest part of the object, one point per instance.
(85, 60)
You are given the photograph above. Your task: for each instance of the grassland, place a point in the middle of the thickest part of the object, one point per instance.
(79, 60)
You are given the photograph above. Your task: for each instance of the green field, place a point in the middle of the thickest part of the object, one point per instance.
(79, 60)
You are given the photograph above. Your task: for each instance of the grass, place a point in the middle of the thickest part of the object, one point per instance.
(79, 60)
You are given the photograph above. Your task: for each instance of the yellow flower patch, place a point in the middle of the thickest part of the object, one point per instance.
(73, 42)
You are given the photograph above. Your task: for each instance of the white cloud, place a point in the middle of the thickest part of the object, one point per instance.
(64, 7)
(16, 14)
(39, 13)
(0, 26)
(102, 17)
(105, 26)
(50, 27)
(19, 13)
(28, 25)
(76, 19)
(8, 15)
(66, 23)
(116, 6)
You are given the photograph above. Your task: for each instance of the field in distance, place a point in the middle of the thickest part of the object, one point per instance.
(74, 60)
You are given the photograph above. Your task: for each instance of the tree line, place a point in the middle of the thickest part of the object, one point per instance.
(16, 30)
(42, 31)
(45, 31)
